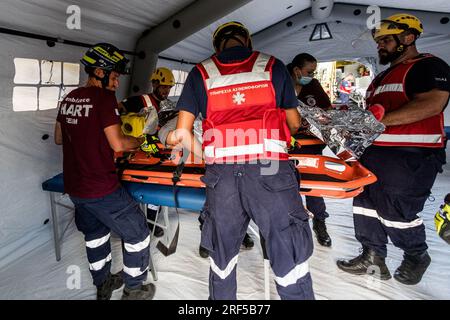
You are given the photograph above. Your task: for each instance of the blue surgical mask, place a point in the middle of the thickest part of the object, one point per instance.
(303, 81)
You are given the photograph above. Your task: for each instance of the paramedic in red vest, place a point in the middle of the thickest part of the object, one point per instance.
(162, 82)
(406, 158)
(310, 92)
(249, 107)
(88, 127)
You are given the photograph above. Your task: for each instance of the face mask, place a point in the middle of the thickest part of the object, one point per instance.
(303, 81)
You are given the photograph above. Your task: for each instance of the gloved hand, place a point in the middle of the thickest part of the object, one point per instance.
(150, 146)
(293, 143)
(377, 110)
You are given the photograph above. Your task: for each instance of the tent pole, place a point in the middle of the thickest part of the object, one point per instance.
(191, 19)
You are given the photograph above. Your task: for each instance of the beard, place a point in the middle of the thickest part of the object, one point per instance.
(160, 96)
(387, 57)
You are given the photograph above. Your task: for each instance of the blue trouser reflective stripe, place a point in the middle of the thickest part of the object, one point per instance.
(390, 206)
(121, 214)
(234, 195)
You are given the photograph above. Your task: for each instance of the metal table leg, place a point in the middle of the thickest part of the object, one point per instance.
(55, 225)
(151, 265)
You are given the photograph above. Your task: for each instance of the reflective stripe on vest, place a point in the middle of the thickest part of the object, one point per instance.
(216, 80)
(147, 100)
(391, 94)
(411, 138)
(269, 145)
(243, 122)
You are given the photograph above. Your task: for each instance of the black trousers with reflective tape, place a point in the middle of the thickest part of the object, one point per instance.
(235, 194)
(116, 212)
(390, 207)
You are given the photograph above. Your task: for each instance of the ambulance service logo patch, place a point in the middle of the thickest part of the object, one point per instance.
(238, 98)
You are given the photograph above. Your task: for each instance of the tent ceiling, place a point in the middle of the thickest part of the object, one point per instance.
(123, 22)
(261, 14)
(118, 22)
(432, 5)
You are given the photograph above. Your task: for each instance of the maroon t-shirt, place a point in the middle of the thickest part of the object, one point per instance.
(313, 95)
(89, 170)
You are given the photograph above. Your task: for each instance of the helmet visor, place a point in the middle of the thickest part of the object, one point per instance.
(389, 27)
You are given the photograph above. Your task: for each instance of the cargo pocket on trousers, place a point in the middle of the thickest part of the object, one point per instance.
(130, 222)
(210, 179)
(207, 231)
(298, 236)
(279, 182)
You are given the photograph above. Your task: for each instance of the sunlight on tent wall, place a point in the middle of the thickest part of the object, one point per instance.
(51, 79)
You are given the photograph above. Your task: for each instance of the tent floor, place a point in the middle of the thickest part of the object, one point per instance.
(184, 275)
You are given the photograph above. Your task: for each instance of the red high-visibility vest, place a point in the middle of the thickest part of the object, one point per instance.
(243, 122)
(391, 94)
(149, 101)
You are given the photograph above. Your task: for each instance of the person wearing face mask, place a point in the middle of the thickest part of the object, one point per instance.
(406, 157)
(310, 92)
(88, 128)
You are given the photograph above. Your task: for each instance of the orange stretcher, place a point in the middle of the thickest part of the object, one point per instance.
(309, 141)
(321, 176)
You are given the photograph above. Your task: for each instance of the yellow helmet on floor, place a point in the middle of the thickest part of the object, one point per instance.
(397, 24)
(442, 220)
(164, 76)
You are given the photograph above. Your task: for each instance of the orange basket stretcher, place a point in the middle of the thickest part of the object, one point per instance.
(321, 176)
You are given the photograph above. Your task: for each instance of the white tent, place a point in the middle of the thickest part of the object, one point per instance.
(40, 50)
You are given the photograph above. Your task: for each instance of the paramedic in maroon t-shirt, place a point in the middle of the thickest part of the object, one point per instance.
(88, 127)
(89, 170)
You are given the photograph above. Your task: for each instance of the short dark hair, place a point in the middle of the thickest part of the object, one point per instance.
(290, 67)
(301, 59)
(413, 32)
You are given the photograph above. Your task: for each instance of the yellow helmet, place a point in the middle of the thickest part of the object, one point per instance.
(397, 24)
(227, 31)
(164, 76)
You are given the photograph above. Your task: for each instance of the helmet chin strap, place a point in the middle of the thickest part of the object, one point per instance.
(401, 47)
(105, 80)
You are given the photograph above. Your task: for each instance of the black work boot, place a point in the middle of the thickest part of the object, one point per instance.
(368, 262)
(203, 252)
(151, 216)
(412, 268)
(322, 235)
(144, 292)
(105, 290)
(247, 243)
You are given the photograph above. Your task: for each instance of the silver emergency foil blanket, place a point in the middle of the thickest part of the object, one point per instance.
(346, 132)
(167, 105)
(151, 120)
